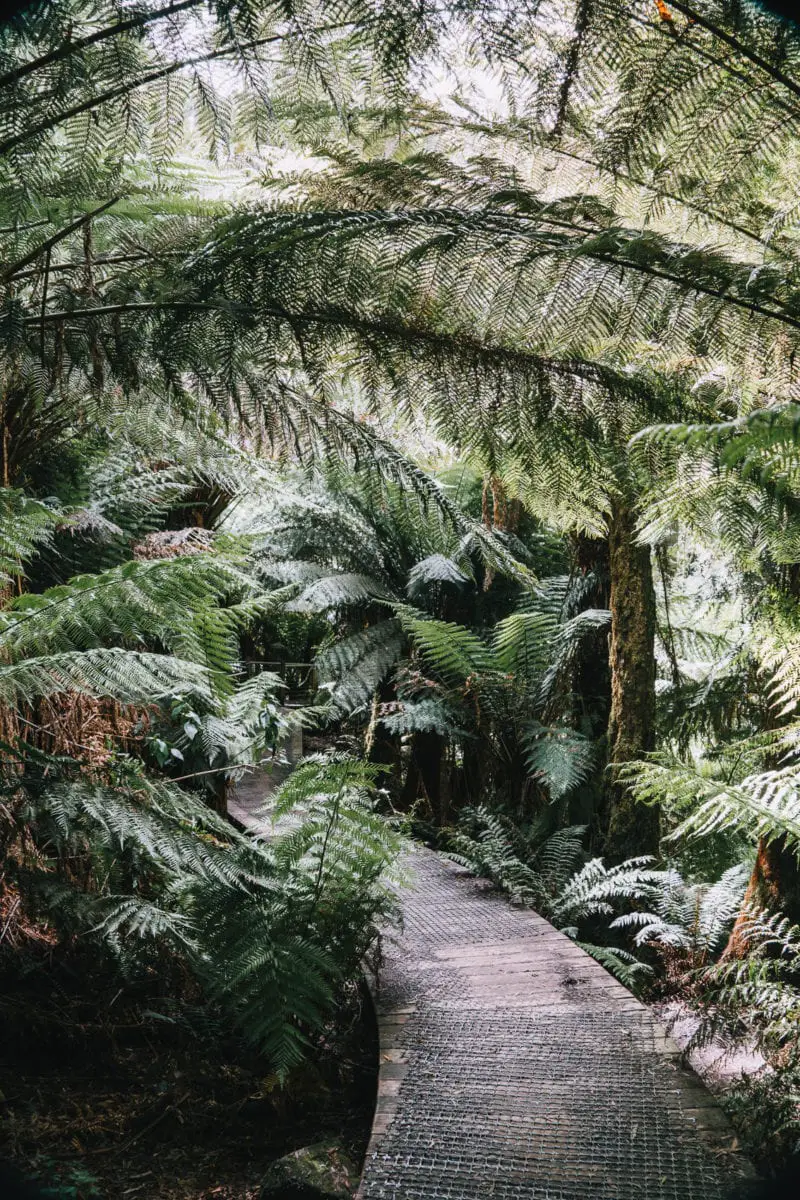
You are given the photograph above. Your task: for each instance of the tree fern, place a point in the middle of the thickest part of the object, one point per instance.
(489, 845)
(271, 931)
(545, 872)
(352, 669)
(522, 642)
(560, 757)
(133, 603)
(763, 805)
(420, 716)
(454, 652)
(24, 525)
(594, 888)
(129, 676)
(693, 917)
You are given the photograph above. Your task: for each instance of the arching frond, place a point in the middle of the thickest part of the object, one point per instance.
(449, 649)
(129, 676)
(764, 805)
(25, 525)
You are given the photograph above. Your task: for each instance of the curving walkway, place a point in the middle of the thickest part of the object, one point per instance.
(514, 1067)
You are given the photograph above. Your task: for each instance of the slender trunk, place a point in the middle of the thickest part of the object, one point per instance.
(592, 677)
(218, 793)
(632, 827)
(424, 775)
(592, 683)
(382, 747)
(428, 755)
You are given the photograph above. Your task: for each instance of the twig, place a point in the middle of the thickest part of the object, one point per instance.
(10, 917)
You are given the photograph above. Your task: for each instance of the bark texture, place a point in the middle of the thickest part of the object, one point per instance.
(424, 776)
(592, 686)
(774, 884)
(632, 827)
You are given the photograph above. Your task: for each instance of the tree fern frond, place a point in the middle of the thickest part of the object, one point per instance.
(522, 642)
(560, 856)
(593, 889)
(454, 652)
(25, 525)
(420, 716)
(436, 568)
(492, 851)
(129, 676)
(132, 916)
(334, 591)
(623, 965)
(131, 603)
(353, 668)
(559, 757)
(764, 805)
(691, 917)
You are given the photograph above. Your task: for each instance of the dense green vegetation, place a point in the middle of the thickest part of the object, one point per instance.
(451, 348)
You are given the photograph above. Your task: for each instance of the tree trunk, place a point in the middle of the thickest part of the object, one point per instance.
(424, 776)
(591, 686)
(218, 793)
(774, 884)
(632, 827)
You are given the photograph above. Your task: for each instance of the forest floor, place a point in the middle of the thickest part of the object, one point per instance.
(720, 1067)
(131, 1094)
(135, 1096)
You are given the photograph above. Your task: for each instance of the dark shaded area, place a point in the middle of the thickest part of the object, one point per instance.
(14, 1185)
(105, 1094)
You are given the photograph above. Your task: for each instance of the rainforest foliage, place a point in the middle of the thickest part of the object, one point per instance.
(449, 350)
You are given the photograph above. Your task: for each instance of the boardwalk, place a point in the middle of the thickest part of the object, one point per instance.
(513, 1066)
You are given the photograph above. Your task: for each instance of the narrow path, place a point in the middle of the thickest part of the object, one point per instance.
(514, 1067)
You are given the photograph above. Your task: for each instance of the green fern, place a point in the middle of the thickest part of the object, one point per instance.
(696, 918)
(271, 931)
(593, 890)
(454, 652)
(25, 524)
(560, 757)
(545, 872)
(129, 676)
(762, 805)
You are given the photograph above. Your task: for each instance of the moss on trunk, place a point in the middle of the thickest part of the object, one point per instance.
(632, 827)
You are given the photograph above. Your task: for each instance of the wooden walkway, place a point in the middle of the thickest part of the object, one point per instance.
(514, 1067)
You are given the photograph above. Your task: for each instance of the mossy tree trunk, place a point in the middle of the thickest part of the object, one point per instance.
(592, 684)
(632, 827)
